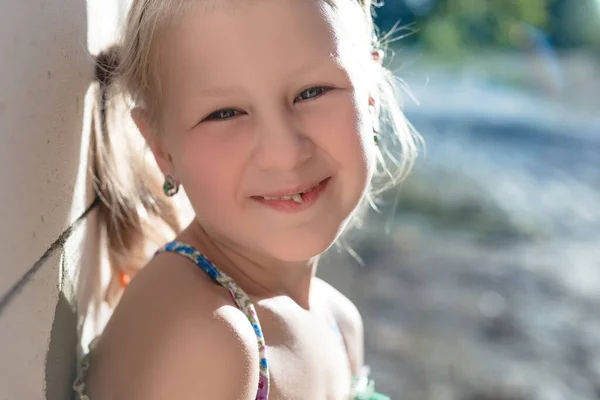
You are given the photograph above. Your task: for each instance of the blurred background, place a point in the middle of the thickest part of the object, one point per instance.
(479, 277)
(485, 282)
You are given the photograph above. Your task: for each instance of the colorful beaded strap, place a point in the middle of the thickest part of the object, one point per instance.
(241, 299)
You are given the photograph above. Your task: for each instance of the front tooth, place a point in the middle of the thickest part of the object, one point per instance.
(286, 197)
(297, 198)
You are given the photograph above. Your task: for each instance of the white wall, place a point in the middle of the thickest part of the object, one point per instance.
(45, 72)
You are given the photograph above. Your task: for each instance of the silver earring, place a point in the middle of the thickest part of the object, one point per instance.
(171, 186)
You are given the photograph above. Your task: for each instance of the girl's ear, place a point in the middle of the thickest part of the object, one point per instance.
(374, 103)
(378, 56)
(374, 110)
(153, 139)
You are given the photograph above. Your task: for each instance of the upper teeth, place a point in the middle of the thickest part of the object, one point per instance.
(296, 197)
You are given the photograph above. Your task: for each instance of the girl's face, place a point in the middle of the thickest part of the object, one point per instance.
(263, 99)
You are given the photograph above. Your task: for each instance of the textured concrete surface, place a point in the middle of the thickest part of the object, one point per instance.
(44, 80)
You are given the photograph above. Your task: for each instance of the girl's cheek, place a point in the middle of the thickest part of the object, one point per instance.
(209, 157)
(336, 111)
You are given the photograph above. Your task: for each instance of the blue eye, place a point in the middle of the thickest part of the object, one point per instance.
(311, 93)
(224, 114)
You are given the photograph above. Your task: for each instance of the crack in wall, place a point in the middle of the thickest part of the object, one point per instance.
(58, 244)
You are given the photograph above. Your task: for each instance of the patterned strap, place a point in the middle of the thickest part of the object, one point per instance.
(241, 299)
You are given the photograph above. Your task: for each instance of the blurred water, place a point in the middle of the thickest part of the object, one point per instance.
(529, 170)
(487, 284)
(539, 164)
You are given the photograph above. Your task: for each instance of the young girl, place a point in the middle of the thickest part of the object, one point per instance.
(266, 112)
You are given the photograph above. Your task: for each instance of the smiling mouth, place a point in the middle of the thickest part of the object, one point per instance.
(296, 197)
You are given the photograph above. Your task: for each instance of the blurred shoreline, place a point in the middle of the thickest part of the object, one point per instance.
(485, 285)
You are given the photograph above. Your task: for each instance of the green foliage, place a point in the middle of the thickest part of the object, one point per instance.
(454, 27)
(460, 24)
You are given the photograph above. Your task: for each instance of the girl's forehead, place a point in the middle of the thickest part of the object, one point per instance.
(240, 36)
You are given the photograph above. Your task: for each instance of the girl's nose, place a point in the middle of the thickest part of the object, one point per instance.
(281, 144)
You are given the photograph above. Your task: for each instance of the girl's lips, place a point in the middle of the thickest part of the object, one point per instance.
(292, 205)
(291, 190)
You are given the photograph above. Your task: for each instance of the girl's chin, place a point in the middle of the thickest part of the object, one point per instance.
(300, 249)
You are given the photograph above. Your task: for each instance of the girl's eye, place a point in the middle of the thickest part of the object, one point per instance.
(221, 115)
(311, 93)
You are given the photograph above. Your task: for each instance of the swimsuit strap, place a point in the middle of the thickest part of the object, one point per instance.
(242, 300)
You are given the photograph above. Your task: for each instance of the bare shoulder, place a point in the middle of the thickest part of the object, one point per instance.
(175, 334)
(349, 321)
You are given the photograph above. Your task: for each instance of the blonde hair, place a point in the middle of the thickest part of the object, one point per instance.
(133, 208)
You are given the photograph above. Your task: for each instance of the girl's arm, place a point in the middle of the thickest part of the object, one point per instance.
(206, 359)
(175, 335)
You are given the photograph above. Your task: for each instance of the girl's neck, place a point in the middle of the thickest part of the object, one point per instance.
(259, 276)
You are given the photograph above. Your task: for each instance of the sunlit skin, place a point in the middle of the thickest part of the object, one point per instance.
(259, 98)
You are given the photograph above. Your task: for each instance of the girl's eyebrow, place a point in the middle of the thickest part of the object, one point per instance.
(220, 91)
(324, 62)
(331, 62)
